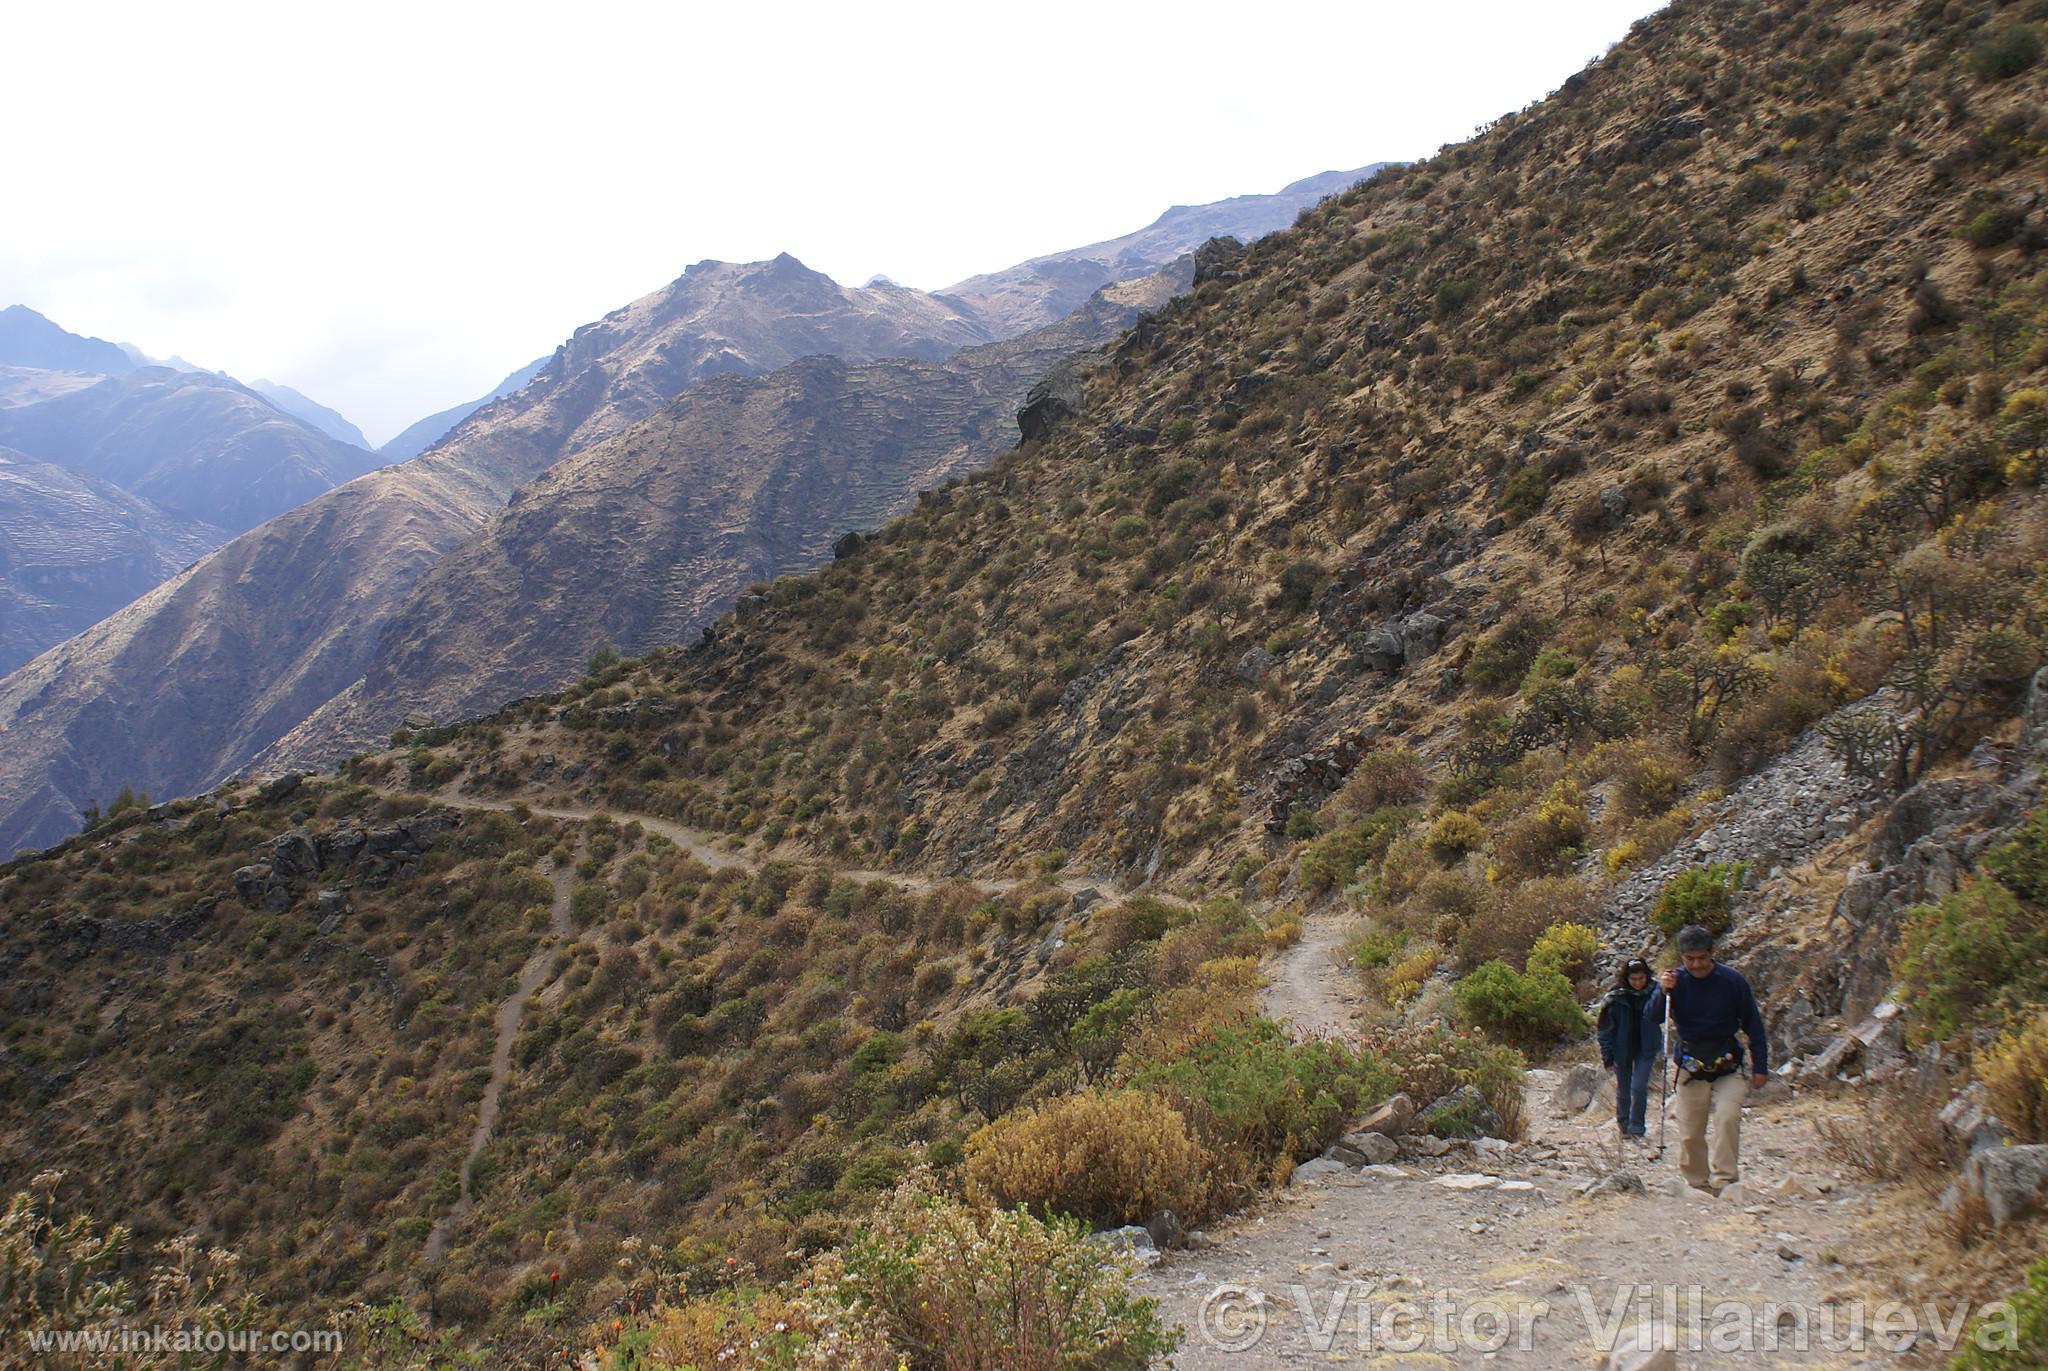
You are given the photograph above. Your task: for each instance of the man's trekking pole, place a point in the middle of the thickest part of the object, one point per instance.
(1664, 1080)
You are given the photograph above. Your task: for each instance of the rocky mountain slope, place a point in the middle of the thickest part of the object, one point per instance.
(1435, 566)
(126, 705)
(1046, 289)
(643, 539)
(73, 550)
(422, 434)
(194, 442)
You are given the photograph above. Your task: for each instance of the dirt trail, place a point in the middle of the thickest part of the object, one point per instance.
(532, 976)
(705, 847)
(1502, 1238)
(1310, 987)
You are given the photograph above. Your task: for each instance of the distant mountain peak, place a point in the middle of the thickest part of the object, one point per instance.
(31, 339)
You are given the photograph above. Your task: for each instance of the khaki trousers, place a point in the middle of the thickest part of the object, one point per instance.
(1710, 1129)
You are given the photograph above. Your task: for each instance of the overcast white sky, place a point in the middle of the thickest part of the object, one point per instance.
(391, 205)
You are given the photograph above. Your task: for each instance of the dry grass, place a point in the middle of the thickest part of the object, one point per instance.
(1892, 1133)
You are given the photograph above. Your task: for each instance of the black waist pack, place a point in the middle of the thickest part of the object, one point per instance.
(1709, 1059)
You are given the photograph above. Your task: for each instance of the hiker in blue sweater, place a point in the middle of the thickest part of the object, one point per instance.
(1710, 1003)
(1628, 1046)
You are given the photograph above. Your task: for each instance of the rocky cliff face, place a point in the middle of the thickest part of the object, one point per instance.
(73, 550)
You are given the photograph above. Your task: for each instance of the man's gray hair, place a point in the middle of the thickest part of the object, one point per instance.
(1693, 938)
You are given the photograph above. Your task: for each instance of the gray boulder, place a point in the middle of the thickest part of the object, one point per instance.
(1130, 1241)
(1383, 651)
(1217, 260)
(1254, 664)
(1970, 1126)
(1631, 1357)
(293, 854)
(2034, 719)
(1464, 1113)
(2011, 1180)
(261, 888)
(277, 788)
(1579, 1088)
(1391, 1119)
(1052, 401)
(1618, 1183)
(1614, 504)
(1363, 1149)
(1420, 634)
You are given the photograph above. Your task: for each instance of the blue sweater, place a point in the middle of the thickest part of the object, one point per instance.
(1715, 1005)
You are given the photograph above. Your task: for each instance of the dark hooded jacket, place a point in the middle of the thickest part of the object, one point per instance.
(1624, 1036)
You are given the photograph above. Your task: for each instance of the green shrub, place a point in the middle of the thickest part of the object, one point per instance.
(1991, 227)
(2004, 54)
(1530, 1009)
(1332, 860)
(1429, 1063)
(1702, 895)
(1501, 658)
(1547, 840)
(2020, 1345)
(1253, 1093)
(1974, 958)
(1759, 187)
(1525, 493)
(878, 1053)
(1566, 948)
(1299, 582)
(2020, 863)
(2014, 1071)
(1382, 777)
(977, 1291)
(1550, 666)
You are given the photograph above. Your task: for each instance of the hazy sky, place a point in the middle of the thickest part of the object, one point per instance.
(390, 206)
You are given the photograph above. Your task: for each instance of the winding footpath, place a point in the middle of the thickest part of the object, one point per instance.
(706, 848)
(532, 976)
(1491, 1255)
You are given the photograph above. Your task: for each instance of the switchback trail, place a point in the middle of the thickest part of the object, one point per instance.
(1503, 1234)
(532, 976)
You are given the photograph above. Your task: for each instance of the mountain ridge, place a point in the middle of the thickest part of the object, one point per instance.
(73, 741)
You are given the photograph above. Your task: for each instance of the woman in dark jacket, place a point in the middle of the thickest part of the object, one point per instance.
(1627, 1048)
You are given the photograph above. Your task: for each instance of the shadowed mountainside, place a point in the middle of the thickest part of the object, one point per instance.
(643, 539)
(199, 443)
(73, 550)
